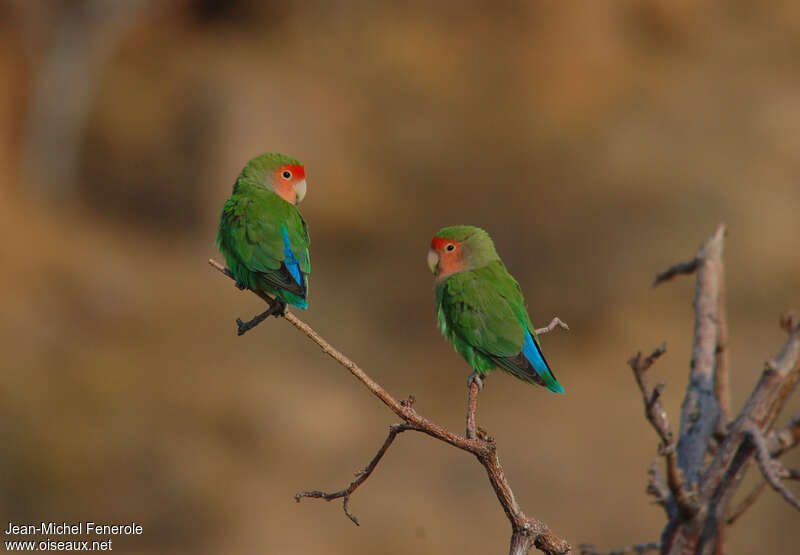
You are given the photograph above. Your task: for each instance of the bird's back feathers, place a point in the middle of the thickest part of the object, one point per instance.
(265, 242)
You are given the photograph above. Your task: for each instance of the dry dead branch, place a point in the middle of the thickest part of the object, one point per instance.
(526, 532)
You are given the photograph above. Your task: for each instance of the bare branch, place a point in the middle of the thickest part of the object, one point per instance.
(526, 531)
(700, 409)
(721, 379)
(361, 476)
(707, 425)
(658, 418)
(767, 466)
(724, 474)
(680, 268)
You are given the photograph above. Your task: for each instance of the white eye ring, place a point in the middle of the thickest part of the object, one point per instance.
(450, 247)
(286, 174)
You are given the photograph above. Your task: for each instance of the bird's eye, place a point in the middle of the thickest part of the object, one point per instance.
(450, 247)
(287, 174)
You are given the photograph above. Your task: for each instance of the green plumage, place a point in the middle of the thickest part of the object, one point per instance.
(481, 311)
(253, 226)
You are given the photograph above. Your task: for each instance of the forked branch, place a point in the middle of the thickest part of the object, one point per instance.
(527, 532)
(361, 476)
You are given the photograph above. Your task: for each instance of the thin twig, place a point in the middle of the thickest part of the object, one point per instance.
(684, 268)
(361, 476)
(746, 503)
(767, 465)
(526, 531)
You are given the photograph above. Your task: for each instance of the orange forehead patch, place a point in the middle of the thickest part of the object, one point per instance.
(298, 171)
(438, 243)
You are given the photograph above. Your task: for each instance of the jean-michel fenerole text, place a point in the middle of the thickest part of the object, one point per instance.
(76, 528)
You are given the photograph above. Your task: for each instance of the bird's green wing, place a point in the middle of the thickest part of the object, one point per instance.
(253, 230)
(479, 313)
(486, 309)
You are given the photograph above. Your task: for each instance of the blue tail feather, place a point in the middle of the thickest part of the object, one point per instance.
(290, 260)
(534, 355)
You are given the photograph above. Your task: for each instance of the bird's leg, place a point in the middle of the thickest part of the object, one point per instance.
(278, 308)
(474, 385)
(475, 377)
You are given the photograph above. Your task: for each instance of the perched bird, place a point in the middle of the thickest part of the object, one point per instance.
(262, 234)
(480, 308)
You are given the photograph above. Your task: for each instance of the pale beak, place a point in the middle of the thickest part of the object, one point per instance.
(433, 260)
(300, 191)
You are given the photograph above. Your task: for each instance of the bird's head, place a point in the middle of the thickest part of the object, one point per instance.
(278, 173)
(458, 248)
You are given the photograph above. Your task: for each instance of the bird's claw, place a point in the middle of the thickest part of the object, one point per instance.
(241, 286)
(475, 377)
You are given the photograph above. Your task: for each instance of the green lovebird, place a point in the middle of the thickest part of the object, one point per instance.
(262, 234)
(480, 308)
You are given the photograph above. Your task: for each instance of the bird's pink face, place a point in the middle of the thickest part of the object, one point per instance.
(446, 257)
(290, 182)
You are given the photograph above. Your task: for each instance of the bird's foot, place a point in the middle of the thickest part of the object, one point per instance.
(241, 286)
(475, 377)
(278, 308)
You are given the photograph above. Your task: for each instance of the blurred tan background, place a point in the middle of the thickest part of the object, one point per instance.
(597, 142)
